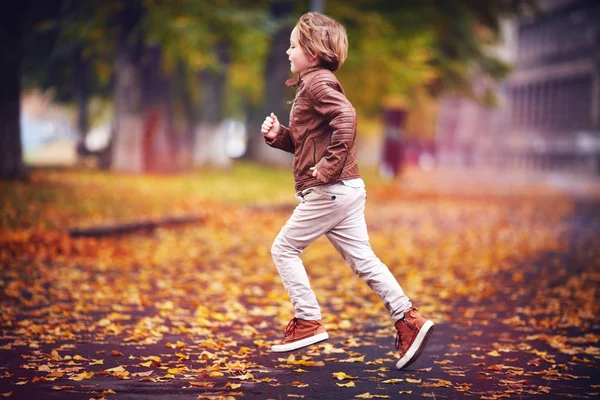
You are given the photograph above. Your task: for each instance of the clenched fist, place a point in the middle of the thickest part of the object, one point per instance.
(270, 126)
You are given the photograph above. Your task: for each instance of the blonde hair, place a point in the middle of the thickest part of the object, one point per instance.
(324, 37)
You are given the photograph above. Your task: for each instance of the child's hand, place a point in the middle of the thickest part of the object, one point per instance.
(318, 175)
(270, 126)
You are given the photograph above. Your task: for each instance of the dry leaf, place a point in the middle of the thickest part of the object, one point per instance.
(342, 375)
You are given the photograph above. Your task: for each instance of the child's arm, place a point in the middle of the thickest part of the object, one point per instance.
(335, 107)
(277, 135)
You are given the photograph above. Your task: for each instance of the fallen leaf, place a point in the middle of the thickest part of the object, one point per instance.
(342, 375)
(371, 396)
(354, 359)
(57, 387)
(393, 381)
(82, 376)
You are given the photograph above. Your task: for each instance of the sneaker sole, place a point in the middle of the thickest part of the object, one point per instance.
(417, 347)
(298, 344)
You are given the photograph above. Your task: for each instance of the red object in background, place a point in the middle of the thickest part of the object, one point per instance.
(392, 156)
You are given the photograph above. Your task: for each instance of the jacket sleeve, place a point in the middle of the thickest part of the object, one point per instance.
(331, 102)
(282, 141)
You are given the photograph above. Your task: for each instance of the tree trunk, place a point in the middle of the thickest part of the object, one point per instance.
(159, 136)
(81, 95)
(188, 141)
(127, 140)
(11, 48)
(277, 71)
(209, 140)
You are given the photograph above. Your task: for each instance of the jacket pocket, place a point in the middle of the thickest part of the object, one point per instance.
(314, 151)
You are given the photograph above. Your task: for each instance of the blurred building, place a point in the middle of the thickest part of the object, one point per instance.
(549, 111)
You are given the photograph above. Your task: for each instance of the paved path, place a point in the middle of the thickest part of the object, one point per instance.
(490, 346)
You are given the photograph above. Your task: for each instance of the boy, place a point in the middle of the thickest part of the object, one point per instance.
(321, 135)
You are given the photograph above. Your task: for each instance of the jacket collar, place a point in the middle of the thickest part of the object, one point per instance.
(296, 81)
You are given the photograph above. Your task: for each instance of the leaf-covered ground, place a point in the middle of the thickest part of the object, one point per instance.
(509, 273)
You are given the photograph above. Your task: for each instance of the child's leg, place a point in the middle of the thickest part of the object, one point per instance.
(312, 218)
(351, 240)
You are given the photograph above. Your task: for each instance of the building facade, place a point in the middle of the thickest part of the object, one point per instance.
(549, 112)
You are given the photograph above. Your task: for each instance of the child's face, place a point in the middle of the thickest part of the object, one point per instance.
(299, 60)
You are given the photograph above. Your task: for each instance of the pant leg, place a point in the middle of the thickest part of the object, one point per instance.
(314, 216)
(351, 239)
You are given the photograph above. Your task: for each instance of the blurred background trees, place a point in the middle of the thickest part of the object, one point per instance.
(173, 71)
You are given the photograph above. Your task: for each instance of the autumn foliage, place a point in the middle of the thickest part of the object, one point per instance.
(508, 273)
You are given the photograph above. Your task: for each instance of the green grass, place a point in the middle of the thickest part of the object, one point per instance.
(57, 198)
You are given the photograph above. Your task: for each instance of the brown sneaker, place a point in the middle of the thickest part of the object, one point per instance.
(413, 333)
(301, 333)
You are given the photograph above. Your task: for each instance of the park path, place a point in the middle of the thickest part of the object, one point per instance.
(190, 312)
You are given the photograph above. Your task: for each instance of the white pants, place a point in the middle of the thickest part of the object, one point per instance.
(337, 211)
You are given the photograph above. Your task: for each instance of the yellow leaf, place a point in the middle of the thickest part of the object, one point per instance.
(178, 370)
(97, 362)
(371, 396)
(409, 380)
(405, 392)
(342, 375)
(349, 384)
(299, 384)
(82, 376)
(146, 364)
(396, 380)
(116, 369)
(247, 375)
(233, 385)
(494, 353)
(147, 373)
(177, 345)
(216, 373)
(7, 394)
(354, 359)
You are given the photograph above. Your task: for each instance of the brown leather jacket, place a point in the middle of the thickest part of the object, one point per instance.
(322, 130)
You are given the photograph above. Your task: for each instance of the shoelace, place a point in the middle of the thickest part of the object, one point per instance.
(291, 327)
